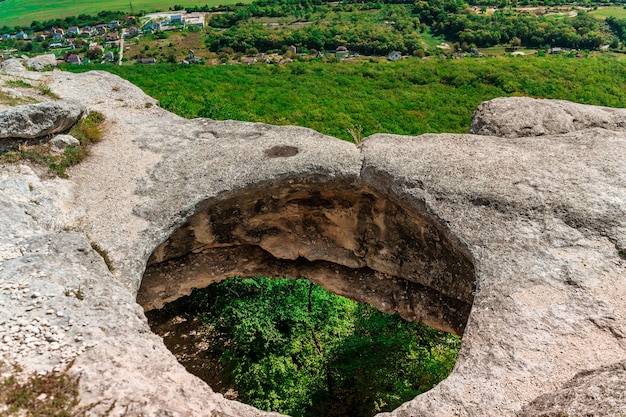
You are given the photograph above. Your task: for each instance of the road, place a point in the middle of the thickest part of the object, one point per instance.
(119, 62)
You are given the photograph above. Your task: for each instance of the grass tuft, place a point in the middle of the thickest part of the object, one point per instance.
(104, 254)
(44, 88)
(19, 83)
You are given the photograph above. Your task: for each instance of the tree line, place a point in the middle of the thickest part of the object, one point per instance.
(372, 27)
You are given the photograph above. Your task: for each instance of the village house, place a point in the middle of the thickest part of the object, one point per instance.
(73, 59)
(73, 31)
(394, 56)
(96, 47)
(150, 60)
(113, 24)
(102, 29)
(247, 60)
(341, 52)
(112, 37)
(176, 19)
(132, 32)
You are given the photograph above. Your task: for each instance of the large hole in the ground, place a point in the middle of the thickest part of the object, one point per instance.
(352, 240)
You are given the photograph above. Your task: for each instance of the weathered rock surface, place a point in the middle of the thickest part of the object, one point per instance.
(38, 63)
(33, 121)
(13, 65)
(513, 117)
(513, 242)
(598, 392)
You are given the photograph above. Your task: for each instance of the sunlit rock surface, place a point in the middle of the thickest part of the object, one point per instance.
(514, 242)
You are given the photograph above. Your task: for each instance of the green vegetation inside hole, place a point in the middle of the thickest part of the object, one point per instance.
(293, 347)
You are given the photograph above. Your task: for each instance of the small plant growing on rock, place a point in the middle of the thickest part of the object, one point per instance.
(356, 131)
(104, 254)
(54, 394)
(78, 293)
(18, 83)
(44, 88)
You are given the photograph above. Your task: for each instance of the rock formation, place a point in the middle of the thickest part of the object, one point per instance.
(35, 121)
(514, 241)
(13, 65)
(39, 63)
(513, 117)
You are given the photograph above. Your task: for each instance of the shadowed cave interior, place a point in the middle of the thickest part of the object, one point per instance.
(349, 238)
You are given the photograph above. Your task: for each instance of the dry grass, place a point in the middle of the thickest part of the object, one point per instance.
(54, 394)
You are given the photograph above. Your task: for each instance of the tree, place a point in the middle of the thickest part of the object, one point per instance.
(94, 54)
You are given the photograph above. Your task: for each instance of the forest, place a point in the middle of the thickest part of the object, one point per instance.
(375, 28)
(408, 97)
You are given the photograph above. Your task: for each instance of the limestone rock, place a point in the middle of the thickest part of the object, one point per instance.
(33, 121)
(597, 392)
(512, 117)
(513, 242)
(60, 142)
(12, 65)
(40, 62)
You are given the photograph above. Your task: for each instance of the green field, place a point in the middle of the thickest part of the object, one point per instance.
(612, 11)
(22, 12)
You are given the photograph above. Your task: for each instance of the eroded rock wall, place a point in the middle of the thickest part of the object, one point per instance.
(352, 240)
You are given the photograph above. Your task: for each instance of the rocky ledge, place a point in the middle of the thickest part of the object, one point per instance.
(514, 239)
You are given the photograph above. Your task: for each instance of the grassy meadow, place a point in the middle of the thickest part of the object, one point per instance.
(408, 97)
(22, 12)
(612, 11)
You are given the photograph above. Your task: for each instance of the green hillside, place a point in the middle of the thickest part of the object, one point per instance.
(407, 97)
(22, 12)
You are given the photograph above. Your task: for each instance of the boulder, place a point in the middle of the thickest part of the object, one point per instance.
(60, 142)
(40, 62)
(513, 117)
(12, 65)
(34, 121)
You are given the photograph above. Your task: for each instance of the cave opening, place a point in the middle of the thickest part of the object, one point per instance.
(293, 347)
(351, 239)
